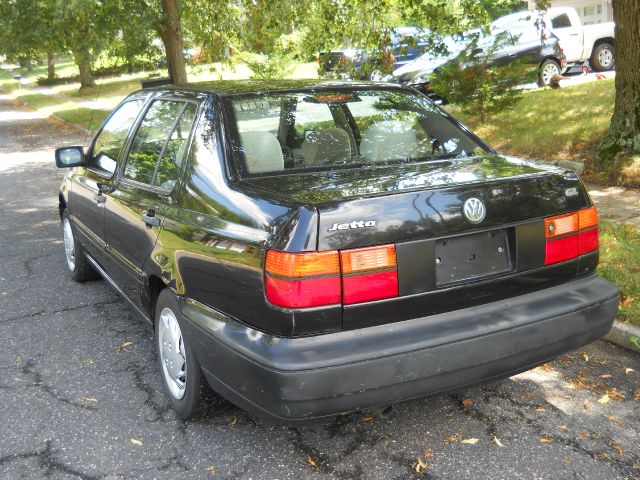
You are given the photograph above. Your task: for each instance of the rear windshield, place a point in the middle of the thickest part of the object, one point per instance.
(329, 129)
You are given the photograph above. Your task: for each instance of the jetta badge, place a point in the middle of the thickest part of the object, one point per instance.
(354, 224)
(474, 210)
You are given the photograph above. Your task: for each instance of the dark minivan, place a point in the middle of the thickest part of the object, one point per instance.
(310, 248)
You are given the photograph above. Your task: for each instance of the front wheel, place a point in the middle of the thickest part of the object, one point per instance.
(180, 369)
(547, 72)
(603, 57)
(75, 260)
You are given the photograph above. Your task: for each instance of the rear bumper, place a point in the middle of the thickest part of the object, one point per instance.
(301, 379)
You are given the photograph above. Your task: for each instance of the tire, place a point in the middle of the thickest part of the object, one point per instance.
(603, 57)
(76, 261)
(179, 368)
(547, 71)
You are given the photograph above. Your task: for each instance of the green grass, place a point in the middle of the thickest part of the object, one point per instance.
(550, 124)
(84, 117)
(620, 264)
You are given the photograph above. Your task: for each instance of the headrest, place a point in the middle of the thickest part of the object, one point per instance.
(262, 152)
(389, 140)
(326, 146)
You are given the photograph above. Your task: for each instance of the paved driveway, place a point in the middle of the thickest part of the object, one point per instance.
(80, 396)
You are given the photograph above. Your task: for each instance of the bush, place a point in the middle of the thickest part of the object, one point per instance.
(478, 88)
(276, 65)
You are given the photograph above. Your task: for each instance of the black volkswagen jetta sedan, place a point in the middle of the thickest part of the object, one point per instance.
(310, 248)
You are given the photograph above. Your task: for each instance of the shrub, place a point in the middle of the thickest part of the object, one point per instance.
(276, 65)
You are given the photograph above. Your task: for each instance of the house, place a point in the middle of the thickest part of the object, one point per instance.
(590, 11)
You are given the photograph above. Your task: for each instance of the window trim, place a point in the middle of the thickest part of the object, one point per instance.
(154, 188)
(90, 156)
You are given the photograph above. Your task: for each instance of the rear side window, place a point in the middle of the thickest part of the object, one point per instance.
(327, 129)
(160, 143)
(113, 135)
(561, 21)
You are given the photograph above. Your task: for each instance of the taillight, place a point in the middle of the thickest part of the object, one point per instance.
(571, 235)
(369, 274)
(302, 280)
(312, 279)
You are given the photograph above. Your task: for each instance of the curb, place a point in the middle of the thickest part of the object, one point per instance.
(70, 125)
(621, 334)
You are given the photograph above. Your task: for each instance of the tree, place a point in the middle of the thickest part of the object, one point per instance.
(623, 137)
(169, 28)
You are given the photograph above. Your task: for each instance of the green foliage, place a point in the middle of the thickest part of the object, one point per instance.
(478, 88)
(276, 65)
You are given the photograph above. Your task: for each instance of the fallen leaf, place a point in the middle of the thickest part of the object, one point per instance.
(616, 420)
(417, 468)
(124, 346)
(606, 375)
(428, 453)
(617, 448)
(469, 441)
(604, 399)
(367, 419)
(422, 463)
(561, 427)
(135, 441)
(615, 394)
(311, 461)
(451, 438)
(585, 356)
(271, 429)
(467, 402)
(91, 399)
(545, 439)
(211, 469)
(584, 434)
(233, 422)
(540, 409)
(628, 370)
(586, 405)
(497, 442)
(548, 367)
(636, 395)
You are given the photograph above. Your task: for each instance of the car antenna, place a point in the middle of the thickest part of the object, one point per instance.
(93, 112)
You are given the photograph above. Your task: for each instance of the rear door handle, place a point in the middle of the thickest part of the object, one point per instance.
(150, 219)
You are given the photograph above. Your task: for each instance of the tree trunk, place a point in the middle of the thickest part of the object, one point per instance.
(25, 62)
(623, 137)
(171, 34)
(51, 66)
(83, 60)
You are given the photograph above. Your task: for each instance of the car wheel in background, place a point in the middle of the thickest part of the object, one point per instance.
(603, 57)
(76, 262)
(549, 69)
(179, 367)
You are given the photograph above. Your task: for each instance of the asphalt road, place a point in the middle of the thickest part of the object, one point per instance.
(80, 397)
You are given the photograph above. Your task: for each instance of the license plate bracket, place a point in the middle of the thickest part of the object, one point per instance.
(469, 257)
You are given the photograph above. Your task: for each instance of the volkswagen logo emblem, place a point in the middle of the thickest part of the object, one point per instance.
(474, 210)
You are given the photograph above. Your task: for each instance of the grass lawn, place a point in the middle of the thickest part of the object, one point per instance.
(620, 264)
(550, 124)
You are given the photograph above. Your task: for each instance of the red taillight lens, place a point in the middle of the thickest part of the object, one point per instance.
(312, 279)
(369, 274)
(571, 235)
(311, 292)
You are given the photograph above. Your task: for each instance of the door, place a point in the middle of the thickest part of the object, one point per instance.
(87, 195)
(569, 33)
(146, 190)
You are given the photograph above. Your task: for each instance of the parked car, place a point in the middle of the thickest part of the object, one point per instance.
(580, 43)
(539, 62)
(316, 248)
(406, 44)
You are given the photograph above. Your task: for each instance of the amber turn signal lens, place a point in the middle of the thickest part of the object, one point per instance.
(561, 225)
(588, 218)
(367, 259)
(300, 265)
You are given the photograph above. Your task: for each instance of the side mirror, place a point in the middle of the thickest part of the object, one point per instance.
(67, 157)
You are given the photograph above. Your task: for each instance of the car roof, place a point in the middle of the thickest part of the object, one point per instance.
(236, 87)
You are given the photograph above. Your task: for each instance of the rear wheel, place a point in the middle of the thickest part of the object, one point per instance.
(178, 365)
(76, 262)
(603, 57)
(547, 72)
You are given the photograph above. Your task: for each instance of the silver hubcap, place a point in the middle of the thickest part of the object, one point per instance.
(172, 355)
(549, 71)
(376, 76)
(69, 246)
(605, 57)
